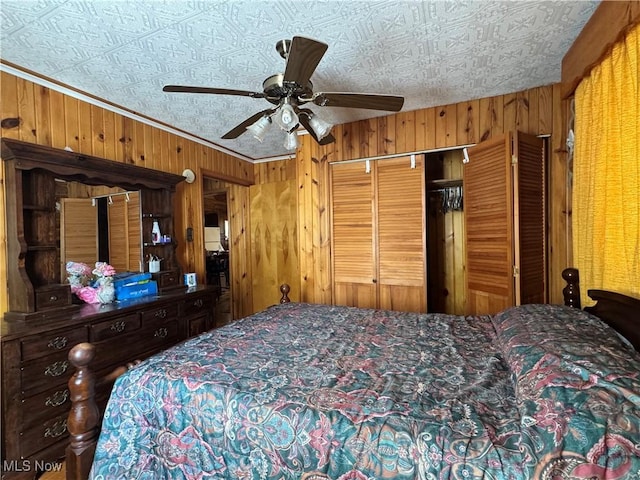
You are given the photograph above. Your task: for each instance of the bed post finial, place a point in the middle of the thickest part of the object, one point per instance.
(285, 289)
(572, 291)
(83, 419)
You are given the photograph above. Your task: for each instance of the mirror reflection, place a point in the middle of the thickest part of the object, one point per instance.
(99, 223)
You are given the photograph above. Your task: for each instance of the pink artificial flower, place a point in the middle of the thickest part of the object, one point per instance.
(78, 268)
(103, 269)
(88, 295)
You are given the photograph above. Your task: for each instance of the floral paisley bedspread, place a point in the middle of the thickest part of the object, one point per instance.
(319, 392)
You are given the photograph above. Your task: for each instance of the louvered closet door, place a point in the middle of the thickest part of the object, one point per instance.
(400, 209)
(529, 188)
(488, 210)
(352, 235)
(78, 232)
(504, 216)
(124, 233)
(134, 231)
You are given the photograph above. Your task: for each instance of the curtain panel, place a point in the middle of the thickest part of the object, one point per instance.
(606, 191)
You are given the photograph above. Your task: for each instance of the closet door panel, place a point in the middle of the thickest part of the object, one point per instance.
(78, 232)
(354, 275)
(404, 298)
(400, 210)
(529, 186)
(134, 233)
(119, 234)
(489, 226)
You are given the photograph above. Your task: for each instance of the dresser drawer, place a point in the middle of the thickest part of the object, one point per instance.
(52, 296)
(115, 327)
(161, 335)
(51, 342)
(45, 373)
(110, 354)
(43, 406)
(159, 314)
(44, 434)
(198, 304)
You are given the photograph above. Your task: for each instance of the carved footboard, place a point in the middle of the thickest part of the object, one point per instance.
(85, 417)
(83, 422)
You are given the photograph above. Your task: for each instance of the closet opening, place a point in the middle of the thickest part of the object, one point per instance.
(445, 232)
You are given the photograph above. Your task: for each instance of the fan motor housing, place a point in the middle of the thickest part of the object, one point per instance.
(275, 89)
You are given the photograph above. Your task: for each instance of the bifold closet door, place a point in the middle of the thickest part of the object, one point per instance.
(401, 234)
(504, 223)
(125, 236)
(78, 232)
(378, 235)
(352, 235)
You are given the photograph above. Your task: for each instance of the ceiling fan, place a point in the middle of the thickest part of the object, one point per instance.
(290, 90)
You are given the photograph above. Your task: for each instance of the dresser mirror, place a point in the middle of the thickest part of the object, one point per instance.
(37, 227)
(99, 223)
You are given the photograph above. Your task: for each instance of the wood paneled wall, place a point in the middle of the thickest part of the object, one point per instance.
(37, 114)
(538, 111)
(51, 118)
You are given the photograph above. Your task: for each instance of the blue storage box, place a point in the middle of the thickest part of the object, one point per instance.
(137, 290)
(129, 278)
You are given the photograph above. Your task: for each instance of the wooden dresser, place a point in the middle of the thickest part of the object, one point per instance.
(45, 191)
(35, 368)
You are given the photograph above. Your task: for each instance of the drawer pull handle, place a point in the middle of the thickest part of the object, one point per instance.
(198, 303)
(161, 333)
(53, 298)
(57, 429)
(56, 369)
(57, 398)
(119, 326)
(161, 313)
(58, 343)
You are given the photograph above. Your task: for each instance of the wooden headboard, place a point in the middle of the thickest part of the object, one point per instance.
(619, 311)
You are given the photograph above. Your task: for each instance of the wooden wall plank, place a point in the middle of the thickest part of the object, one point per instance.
(85, 132)
(468, 122)
(97, 131)
(546, 109)
(522, 112)
(43, 113)
(26, 102)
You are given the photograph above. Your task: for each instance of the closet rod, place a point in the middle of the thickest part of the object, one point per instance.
(406, 154)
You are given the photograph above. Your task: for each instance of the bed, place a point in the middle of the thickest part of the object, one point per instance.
(316, 392)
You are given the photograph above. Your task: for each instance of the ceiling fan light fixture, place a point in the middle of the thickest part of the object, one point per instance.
(291, 141)
(259, 128)
(286, 117)
(320, 127)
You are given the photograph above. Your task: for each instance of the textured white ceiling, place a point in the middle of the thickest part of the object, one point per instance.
(431, 52)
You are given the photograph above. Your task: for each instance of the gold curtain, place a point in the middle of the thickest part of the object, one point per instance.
(606, 192)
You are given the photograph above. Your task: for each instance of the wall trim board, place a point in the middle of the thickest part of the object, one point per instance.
(607, 25)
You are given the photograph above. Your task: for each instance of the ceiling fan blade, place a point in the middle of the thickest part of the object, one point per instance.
(219, 91)
(371, 101)
(304, 117)
(302, 60)
(239, 129)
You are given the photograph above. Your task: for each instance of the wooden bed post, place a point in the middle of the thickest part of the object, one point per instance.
(572, 291)
(84, 417)
(285, 289)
